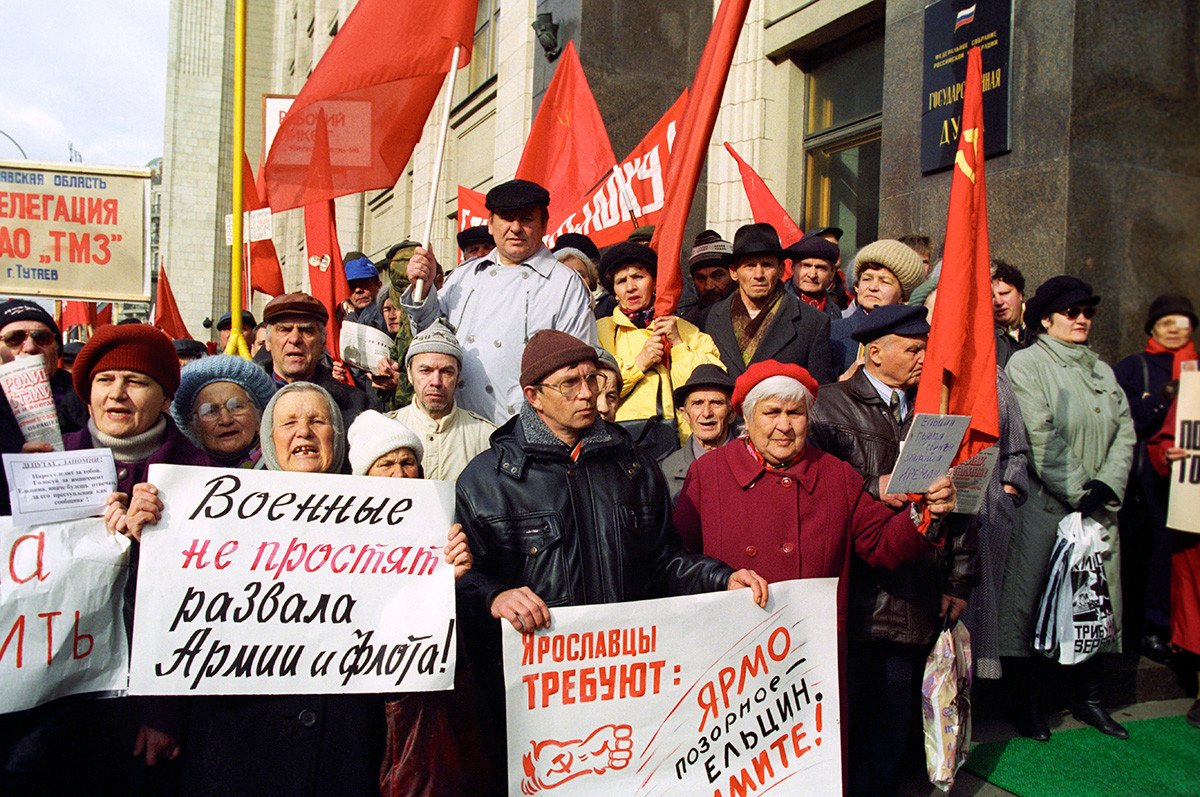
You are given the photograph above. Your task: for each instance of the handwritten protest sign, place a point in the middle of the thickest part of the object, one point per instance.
(932, 442)
(61, 603)
(971, 479)
(1185, 474)
(363, 346)
(644, 698)
(27, 388)
(59, 485)
(265, 582)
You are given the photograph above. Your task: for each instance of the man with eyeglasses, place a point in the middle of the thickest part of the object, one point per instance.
(564, 509)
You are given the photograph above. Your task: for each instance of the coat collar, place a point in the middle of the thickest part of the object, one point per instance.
(541, 261)
(746, 469)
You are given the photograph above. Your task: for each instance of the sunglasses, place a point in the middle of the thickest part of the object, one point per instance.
(1072, 313)
(16, 338)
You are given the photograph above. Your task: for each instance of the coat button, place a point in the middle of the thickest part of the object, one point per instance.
(1097, 409)
(751, 550)
(788, 548)
(497, 344)
(487, 389)
(308, 718)
(533, 549)
(785, 481)
(122, 473)
(470, 338)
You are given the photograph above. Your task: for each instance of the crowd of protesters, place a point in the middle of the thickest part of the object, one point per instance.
(603, 453)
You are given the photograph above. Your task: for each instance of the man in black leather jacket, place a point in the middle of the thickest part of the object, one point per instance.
(564, 509)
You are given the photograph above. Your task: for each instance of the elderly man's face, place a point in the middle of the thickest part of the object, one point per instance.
(566, 400)
(713, 283)
(778, 429)
(125, 403)
(363, 292)
(477, 249)
(813, 275)
(517, 233)
(708, 412)
(434, 377)
(757, 275)
(28, 339)
(302, 431)
(295, 343)
(897, 360)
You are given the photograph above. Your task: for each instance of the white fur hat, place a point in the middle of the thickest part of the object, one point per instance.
(374, 434)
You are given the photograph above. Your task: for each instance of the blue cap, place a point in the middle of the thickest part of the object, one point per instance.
(893, 319)
(361, 268)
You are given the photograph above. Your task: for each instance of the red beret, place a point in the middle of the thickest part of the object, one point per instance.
(127, 347)
(759, 371)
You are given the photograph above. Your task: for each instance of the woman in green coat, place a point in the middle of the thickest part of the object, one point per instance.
(1081, 440)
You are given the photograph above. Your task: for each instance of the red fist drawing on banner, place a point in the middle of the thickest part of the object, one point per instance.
(553, 763)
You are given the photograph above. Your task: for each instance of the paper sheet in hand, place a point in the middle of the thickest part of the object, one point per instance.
(27, 388)
(932, 442)
(1185, 474)
(971, 479)
(59, 485)
(364, 346)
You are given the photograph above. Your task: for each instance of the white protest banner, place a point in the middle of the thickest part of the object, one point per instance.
(74, 231)
(363, 346)
(27, 388)
(1185, 474)
(266, 582)
(971, 479)
(61, 612)
(703, 694)
(928, 450)
(257, 225)
(60, 485)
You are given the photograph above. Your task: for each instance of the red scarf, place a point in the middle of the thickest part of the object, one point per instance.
(817, 303)
(1183, 354)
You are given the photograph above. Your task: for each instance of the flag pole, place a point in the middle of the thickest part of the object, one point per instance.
(237, 343)
(419, 286)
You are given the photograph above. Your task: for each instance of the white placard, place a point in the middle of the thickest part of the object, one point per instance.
(1185, 474)
(266, 582)
(257, 225)
(363, 345)
(971, 479)
(646, 697)
(61, 612)
(928, 450)
(60, 485)
(27, 388)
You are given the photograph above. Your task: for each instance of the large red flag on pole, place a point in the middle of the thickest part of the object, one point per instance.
(376, 84)
(265, 274)
(765, 207)
(687, 157)
(326, 275)
(166, 312)
(568, 150)
(78, 314)
(959, 376)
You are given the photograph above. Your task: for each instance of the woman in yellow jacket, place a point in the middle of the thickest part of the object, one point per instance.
(648, 371)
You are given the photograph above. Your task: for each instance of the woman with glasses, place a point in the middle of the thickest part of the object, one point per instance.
(1081, 445)
(219, 405)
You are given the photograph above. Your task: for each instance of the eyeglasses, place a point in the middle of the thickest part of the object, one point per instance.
(570, 387)
(210, 410)
(1072, 313)
(16, 338)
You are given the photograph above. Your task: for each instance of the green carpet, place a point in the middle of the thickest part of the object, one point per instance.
(1160, 758)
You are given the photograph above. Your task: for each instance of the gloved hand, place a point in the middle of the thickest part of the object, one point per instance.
(1096, 494)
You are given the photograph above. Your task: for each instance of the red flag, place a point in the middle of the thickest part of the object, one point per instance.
(77, 314)
(696, 130)
(472, 211)
(376, 84)
(962, 347)
(766, 208)
(326, 276)
(265, 275)
(104, 317)
(166, 312)
(635, 192)
(568, 150)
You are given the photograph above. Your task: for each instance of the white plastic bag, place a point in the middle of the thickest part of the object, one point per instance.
(946, 705)
(1075, 616)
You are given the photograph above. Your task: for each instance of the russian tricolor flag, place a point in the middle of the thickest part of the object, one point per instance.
(964, 17)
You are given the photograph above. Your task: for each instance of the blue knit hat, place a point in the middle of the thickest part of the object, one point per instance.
(219, 368)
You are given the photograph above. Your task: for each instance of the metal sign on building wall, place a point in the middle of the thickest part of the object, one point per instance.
(951, 28)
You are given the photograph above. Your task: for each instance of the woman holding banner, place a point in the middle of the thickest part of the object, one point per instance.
(219, 405)
(1081, 443)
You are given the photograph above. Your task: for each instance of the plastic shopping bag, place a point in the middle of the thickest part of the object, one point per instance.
(1075, 616)
(946, 705)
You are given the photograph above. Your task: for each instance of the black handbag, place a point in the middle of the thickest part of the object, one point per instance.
(658, 435)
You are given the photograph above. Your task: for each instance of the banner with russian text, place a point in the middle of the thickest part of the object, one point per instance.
(265, 582)
(77, 232)
(703, 694)
(61, 603)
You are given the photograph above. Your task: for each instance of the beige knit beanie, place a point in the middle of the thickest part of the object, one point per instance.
(898, 258)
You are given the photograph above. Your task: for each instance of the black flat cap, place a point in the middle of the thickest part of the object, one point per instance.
(756, 239)
(226, 321)
(576, 240)
(706, 375)
(814, 247)
(816, 232)
(893, 319)
(190, 348)
(515, 195)
(1055, 295)
(475, 235)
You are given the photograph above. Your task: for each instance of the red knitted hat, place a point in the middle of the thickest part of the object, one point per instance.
(764, 370)
(127, 347)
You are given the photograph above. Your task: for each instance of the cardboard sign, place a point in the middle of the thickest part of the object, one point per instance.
(932, 442)
(363, 346)
(266, 582)
(971, 479)
(60, 485)
(61, 608)
(703, 694)
(1185, 474)
(74, 231)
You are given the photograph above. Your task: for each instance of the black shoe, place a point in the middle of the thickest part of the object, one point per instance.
(1030, 722)
(1094, 714)
(1155, 648)
(1193, 715)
